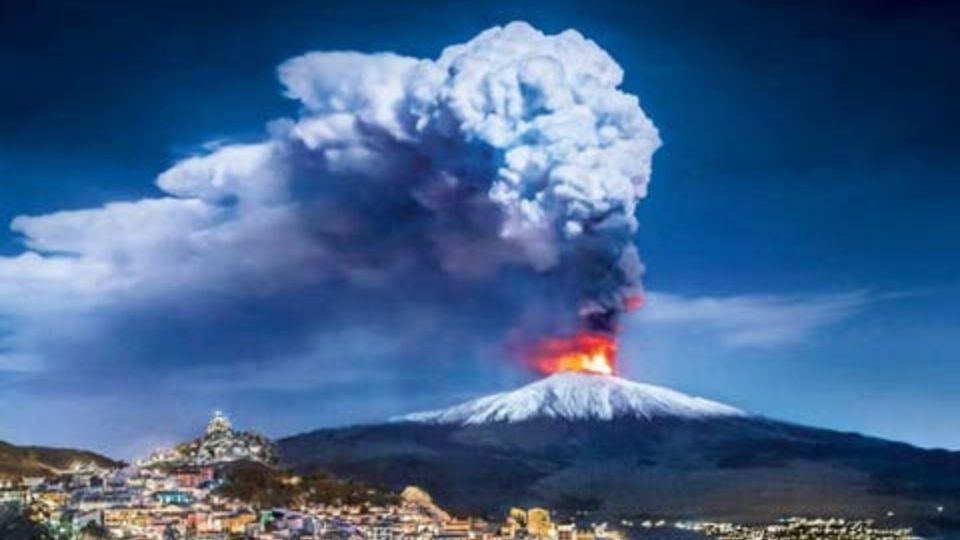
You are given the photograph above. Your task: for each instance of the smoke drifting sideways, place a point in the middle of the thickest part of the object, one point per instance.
(485, 195)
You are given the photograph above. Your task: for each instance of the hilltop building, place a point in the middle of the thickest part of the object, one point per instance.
(219, 424)
(220, 443)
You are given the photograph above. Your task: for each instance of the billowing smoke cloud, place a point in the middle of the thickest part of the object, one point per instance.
(454, 200)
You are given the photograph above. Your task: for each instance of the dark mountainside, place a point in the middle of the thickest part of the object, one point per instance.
(735, 468)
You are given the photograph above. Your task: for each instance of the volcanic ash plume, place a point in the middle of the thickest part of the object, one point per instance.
(517, 148)
(506, 172)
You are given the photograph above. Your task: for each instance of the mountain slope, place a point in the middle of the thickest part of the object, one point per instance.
(578, 396)
(610, 447)
(19, 461)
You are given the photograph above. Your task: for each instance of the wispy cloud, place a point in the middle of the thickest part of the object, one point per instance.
(13, 362)
(757, 320)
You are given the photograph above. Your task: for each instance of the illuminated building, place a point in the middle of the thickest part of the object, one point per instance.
(191, 477)
(455, 529)
(219, 424)
(516, 520)
(237, 523)
(14, 495)
(126, 517)
(173, 497)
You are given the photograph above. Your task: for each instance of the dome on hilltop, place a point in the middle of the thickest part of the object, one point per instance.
(219, 424)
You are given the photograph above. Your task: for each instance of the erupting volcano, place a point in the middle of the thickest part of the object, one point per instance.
(585, 352)
(578, 439)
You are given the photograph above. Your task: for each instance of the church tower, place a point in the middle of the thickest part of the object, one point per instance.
(219, 424)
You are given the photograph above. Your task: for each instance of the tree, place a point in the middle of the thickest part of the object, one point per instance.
(15, 524)
(94, 531)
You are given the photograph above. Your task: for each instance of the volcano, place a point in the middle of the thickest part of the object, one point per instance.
(576, 442)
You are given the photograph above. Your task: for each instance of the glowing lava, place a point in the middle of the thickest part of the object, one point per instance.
(587, 352)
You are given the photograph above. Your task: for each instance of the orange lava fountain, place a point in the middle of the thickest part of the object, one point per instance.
(586, 352)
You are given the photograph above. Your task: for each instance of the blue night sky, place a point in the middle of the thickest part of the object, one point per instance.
(799, 235)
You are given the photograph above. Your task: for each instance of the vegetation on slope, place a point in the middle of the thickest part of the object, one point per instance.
(262, 486)
(15, 524)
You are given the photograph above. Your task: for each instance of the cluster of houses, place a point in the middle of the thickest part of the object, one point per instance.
(182, 503)
(802, 528)
(174, 495)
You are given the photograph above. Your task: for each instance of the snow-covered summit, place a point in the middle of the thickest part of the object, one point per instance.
(578, 396)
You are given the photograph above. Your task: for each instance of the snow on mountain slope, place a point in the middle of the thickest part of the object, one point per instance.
(577, 396)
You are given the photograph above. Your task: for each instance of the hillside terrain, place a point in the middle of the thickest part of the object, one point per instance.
(263, 486)
(624, 450)
(18, 461)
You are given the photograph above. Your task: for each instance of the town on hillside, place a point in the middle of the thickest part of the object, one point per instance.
(224, 485)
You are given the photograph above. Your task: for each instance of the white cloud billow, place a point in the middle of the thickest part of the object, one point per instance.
(511, 159)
